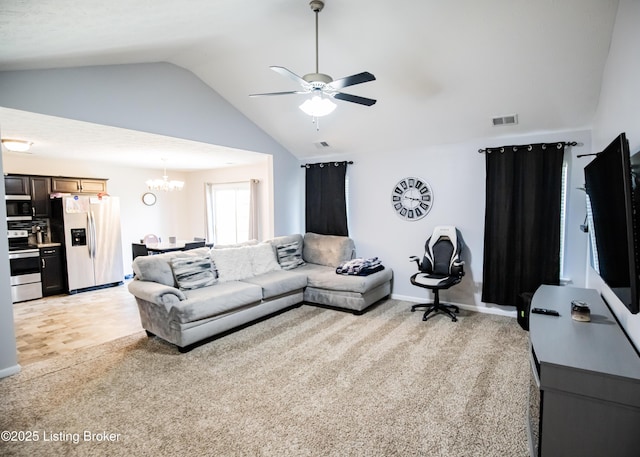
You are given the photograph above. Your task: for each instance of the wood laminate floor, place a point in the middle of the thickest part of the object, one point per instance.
(63, 323)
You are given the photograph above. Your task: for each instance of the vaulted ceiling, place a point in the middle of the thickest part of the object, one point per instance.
(443, 69)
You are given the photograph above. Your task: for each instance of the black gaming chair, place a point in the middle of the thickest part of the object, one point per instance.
(440, 268)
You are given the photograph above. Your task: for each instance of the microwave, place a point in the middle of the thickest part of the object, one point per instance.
(19, 207)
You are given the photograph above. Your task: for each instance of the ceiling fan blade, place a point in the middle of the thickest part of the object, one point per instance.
(354, 99)
(280, 93)
(289, 74)
(352, 80)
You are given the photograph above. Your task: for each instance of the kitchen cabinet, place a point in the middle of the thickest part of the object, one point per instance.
(16, 185)
(52, 270)
(40, 190)
(78, 185)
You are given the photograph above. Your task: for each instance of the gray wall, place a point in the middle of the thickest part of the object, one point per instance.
(619, 111)
(8, 354)
(157, 98)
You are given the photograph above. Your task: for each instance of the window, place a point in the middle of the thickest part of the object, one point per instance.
(563, 215)
(228, 212)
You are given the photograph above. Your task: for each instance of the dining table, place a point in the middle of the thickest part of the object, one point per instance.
(165, 246)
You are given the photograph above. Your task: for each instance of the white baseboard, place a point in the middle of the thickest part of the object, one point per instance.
(10, 371)
(478, 309)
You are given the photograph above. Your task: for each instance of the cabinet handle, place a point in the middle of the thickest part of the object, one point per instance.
(43, 264)
(33, 211)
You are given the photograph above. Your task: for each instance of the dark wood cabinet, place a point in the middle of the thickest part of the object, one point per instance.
(584, 397)
(78, 185)
(16, 185)
(52, 270)
(40, 190)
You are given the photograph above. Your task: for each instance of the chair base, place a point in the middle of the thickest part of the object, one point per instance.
(433, 308)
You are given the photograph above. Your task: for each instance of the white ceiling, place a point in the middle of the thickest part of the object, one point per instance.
(443, 68)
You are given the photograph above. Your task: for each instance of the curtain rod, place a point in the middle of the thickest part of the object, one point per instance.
(307, 165)
(557, 144)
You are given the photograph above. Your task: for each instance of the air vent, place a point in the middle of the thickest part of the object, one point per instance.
(511, 119)
(322, 145)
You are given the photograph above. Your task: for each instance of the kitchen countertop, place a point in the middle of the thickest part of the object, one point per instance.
(48, 245)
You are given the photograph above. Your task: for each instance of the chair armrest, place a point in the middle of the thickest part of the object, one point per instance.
(458, 268)
(415, 259)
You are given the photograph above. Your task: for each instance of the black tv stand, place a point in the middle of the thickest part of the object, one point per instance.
(584, 397)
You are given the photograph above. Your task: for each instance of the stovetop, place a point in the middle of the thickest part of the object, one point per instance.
(26, 247)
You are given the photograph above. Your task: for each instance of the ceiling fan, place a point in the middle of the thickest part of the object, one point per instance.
(321, 85)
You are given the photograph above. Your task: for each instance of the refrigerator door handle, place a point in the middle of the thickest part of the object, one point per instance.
(89, 233)
(92, 234)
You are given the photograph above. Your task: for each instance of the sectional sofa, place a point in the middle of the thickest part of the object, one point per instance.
(188, 297)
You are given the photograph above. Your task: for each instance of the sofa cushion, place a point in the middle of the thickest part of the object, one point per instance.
(279, 282)
(157, 268)
(329, 250)
(215, 300)
(322, 277)
(193, 272)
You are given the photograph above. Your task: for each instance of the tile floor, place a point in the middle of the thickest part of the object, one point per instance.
(62, 323)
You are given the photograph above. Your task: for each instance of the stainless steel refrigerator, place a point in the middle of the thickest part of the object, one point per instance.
(93, 241)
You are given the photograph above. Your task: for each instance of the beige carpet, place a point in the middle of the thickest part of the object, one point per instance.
(309, 382)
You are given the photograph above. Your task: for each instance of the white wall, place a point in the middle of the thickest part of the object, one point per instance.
(619, 111)
(179, 214)
(456, 173)
(197, 180)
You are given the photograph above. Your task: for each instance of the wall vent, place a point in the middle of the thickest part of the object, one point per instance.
(511, 119)
(322, 145)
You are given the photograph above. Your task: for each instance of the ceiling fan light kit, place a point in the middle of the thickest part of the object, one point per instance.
(322, 86)
(317, 106)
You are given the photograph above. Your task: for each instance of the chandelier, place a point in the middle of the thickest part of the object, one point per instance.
(164, 183)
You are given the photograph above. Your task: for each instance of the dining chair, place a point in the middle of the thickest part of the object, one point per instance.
(150, 238)
(193, 245)
(138, 249)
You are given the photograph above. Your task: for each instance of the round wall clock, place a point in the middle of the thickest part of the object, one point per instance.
(412, 198)
(149, 199)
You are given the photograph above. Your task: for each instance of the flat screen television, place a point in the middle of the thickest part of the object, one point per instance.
(611, 182)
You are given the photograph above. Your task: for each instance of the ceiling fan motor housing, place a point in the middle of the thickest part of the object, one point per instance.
(317, 79)
(322, 83)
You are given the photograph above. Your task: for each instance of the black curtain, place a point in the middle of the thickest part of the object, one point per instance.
(325, 202)
(522, 220)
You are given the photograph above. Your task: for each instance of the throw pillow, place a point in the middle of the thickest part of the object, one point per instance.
(290, 255)
(263, 259)
(193, 272)
(233, 264)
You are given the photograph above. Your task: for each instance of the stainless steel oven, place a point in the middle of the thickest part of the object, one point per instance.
(19, 207)
(24, 262)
